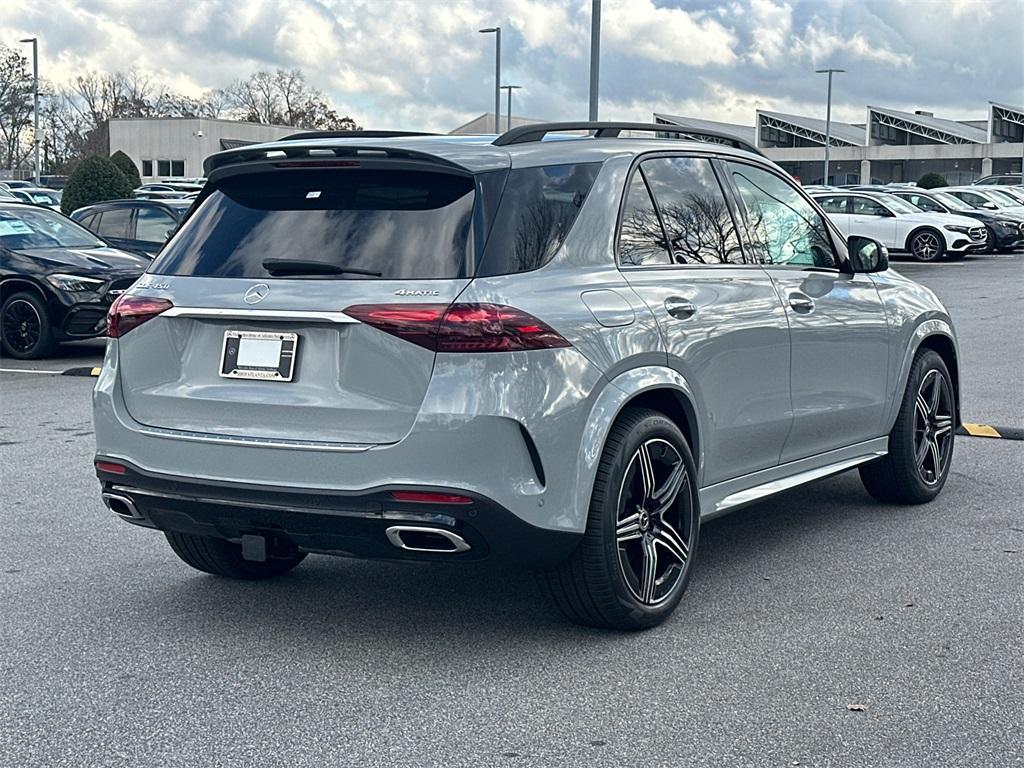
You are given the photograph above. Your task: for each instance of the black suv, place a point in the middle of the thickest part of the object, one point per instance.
(57, 280)
(141, 226)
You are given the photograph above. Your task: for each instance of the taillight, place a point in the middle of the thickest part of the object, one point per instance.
(130, 312)
(111, 467)
(430, 497)
(460, 327)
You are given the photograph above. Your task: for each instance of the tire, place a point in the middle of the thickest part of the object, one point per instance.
(606, 582)
(224, 558)
(920, 453)
(25, 329)
(926, 245)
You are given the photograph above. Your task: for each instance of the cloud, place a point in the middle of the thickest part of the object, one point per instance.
(421, 64)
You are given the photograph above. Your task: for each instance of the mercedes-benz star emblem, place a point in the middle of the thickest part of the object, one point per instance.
(256, 294)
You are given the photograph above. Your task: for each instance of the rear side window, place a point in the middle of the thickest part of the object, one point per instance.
(537, 210)
(401, 224)
(114, 223)
(697, 220)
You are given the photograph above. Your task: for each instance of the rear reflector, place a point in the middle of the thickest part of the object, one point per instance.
(429, 497)
(111, 467)
(460, 327)
(130, 312)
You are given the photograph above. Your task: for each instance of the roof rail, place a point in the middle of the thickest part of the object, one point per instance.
(352, 135)
(526, 134)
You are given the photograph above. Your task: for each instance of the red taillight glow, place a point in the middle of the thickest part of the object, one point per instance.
(460, 327)
(111, 467)
(130, 312)
(430, 497)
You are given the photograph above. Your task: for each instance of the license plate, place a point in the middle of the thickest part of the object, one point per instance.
(257, 355)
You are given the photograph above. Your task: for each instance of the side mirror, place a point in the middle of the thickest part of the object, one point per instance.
(989, 206)
(867, 255)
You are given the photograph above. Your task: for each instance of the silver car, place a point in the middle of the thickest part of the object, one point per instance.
(567, 351)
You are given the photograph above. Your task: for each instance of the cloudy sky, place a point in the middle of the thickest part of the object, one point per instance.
(420, 64)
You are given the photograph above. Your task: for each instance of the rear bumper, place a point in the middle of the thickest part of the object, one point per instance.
(347, 524)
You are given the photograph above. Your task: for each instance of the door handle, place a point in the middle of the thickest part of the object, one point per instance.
(680, 308)
(801, 303)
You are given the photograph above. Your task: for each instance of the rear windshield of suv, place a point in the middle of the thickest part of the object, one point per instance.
(401, 224)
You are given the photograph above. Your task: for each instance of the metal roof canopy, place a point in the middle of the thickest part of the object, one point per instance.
(812, 129)
(709, 128)
(1005, 112)
(938, 129)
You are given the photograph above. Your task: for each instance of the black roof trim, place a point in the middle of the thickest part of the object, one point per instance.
(352, 135)
(525, 134)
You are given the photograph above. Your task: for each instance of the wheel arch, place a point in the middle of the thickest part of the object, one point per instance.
(657, 387)
(12, 285)
(943, 345)
(922, 228)
(935, 333)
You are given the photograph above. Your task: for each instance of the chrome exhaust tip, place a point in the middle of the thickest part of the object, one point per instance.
(122, 506)
(415, 538)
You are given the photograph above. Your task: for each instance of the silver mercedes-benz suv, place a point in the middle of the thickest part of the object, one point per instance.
(568, 350)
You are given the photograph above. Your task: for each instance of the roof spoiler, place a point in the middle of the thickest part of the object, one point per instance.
(526, 134)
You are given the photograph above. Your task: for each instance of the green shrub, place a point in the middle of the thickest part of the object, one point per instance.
(127, 166)
(94, 179)
(932, 180)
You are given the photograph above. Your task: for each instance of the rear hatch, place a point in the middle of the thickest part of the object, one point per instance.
(282, 254)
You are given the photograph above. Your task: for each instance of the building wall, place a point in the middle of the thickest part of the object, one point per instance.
(190, 140)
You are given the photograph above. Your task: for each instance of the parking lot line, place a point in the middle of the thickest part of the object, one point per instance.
(28, 370)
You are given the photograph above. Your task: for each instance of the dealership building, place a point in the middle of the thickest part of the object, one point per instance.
(890, 145)
(167, 147)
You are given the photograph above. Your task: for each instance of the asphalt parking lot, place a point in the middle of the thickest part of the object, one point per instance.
(820, 629)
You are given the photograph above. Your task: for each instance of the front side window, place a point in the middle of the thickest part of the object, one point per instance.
(925, 203)
(785, 227)
(641, 236)
(865, 206)
(698, 224)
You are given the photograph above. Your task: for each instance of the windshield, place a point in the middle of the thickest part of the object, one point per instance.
(898, 205)
(1001, 199)
(951, 202)
(39, 228)
(1016, 194)
(45, 198)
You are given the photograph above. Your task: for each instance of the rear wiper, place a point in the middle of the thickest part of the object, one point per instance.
(297, 267)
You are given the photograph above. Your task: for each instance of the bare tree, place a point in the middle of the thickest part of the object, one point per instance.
(15, 107)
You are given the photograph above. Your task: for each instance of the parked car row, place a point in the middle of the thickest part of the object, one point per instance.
(57, 280)
(928, 224)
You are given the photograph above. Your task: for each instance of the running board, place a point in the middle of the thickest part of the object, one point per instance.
(777, 479)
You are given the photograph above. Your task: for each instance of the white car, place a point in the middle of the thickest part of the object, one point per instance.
(901, 226)
(987, 198)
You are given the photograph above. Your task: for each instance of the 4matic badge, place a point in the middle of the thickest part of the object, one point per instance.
(421, 292)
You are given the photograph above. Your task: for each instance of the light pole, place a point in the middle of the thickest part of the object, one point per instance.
(497, 75)
(35, 101)
(595, 55)
(508, 112)
(828, 117)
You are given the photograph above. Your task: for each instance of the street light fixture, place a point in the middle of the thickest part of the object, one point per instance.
(510, 88)
(35, 101)
(828, 116)
(497, 75)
